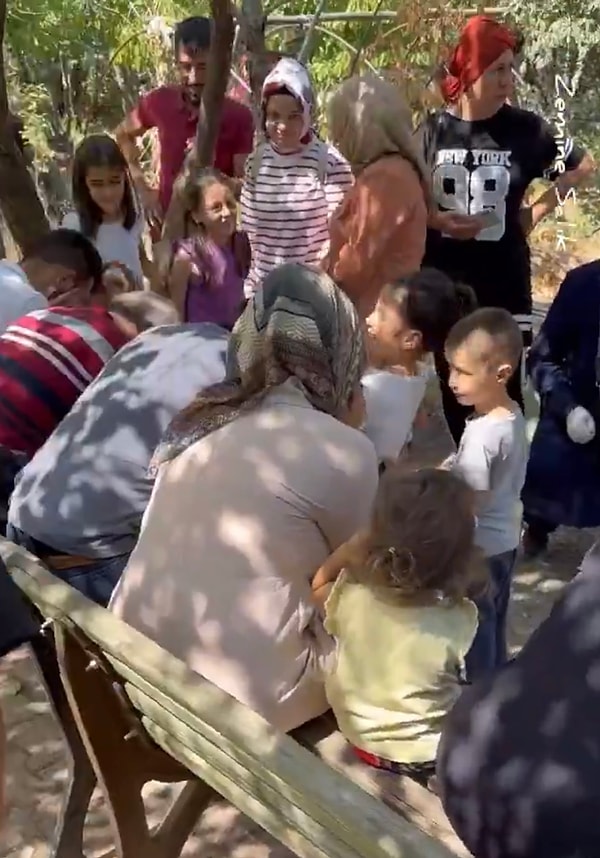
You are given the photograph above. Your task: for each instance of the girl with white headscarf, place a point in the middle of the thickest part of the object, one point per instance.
(294, 181)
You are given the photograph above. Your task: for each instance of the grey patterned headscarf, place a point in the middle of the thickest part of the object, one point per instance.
(298, 325)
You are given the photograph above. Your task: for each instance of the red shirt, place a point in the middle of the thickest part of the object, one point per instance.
(166, 110)
(47, 359)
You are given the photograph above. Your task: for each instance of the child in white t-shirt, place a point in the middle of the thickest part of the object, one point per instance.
(411, 319)
(105, 207)
(483, 351)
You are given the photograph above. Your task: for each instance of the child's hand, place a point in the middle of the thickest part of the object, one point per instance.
(349, 552)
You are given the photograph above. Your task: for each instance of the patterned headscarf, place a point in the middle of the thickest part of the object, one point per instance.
(299, 326)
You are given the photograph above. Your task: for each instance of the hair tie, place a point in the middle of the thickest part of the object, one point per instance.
(403, 565)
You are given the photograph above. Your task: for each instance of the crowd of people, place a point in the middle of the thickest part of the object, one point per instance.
(221, 447)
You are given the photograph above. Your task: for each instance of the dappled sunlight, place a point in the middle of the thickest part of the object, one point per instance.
(237, 527)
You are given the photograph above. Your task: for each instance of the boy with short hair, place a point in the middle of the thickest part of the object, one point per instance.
(483, 352)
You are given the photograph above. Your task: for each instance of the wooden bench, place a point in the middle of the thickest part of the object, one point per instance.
(143, 715)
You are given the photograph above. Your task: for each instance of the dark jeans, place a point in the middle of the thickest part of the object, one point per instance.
(489, 650)
(95, 580)
(455, 413)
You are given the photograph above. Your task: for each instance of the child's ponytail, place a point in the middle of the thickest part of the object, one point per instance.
(431, 303)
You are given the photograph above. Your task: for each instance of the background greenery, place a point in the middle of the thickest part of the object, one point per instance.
(75, 66)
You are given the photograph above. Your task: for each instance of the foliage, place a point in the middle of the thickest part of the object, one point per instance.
(75, 66)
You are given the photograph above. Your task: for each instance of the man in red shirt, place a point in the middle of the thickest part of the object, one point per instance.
(173, 111)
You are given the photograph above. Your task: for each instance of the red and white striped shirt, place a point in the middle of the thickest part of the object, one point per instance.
(47, 359)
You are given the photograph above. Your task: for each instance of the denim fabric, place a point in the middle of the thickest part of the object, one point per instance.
(489, 650)
(95, 580)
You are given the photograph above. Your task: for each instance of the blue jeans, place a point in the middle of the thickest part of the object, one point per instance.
(95, 580)
(489, 650)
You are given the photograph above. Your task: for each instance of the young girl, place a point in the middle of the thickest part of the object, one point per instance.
(411, 320)
(206, 280)
(402, 623)
(293, 181)
(105, 207)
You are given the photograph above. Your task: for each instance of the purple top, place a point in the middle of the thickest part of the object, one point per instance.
(217, 298)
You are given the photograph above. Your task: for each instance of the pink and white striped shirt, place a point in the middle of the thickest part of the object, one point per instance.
(286, 205)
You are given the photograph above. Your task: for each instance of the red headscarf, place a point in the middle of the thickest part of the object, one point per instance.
(481, 42)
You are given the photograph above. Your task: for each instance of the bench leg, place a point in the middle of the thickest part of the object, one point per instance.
(68, 838)
(124, 758)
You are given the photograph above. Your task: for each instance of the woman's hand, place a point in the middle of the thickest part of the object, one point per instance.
(459, 226)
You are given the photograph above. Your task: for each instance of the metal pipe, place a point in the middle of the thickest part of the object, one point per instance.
(333, 17)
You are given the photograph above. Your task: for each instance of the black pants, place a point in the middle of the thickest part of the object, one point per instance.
(455, 413)
(538, 528)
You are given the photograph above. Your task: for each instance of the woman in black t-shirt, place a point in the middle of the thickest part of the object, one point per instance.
(483, 155)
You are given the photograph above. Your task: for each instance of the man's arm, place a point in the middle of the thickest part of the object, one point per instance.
(127, 134)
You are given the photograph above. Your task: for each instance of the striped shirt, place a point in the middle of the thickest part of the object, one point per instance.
(47, 359)
(286, 209)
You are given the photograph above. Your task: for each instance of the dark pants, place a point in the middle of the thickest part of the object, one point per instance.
(489, 650)
(11, 463)
(18, 622)
(539, 530)
(95, 580)
(455, 413)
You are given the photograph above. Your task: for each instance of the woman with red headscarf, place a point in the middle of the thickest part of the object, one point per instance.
(484, 154)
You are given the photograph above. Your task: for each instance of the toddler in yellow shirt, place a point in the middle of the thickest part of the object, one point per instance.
(402, 623)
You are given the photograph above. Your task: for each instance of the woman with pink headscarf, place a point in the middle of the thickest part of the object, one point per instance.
(484, 155)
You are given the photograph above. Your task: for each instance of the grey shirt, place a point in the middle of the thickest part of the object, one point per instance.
(492, 458)
(86, 489)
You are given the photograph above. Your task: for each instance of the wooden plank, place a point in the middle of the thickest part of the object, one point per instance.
(211, 713)
(403, 795)
(289, 824)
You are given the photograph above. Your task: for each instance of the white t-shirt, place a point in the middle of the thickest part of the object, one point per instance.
(492, 459)
(17, 295)
(115, 243)
(392, 402)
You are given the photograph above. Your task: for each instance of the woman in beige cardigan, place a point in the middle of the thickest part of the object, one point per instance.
(378, 233)
(258, 482)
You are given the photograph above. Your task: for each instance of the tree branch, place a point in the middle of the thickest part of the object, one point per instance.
(19, 201)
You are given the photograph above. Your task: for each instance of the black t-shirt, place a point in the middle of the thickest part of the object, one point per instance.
(488, 165)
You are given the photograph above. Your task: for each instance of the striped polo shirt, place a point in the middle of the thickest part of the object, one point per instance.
(286, 204)
(47, 359)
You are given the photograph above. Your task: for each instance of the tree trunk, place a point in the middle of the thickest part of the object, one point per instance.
(19, 201)
(202, 155)
(253, 36)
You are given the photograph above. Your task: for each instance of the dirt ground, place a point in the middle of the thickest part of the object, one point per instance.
(37, 761)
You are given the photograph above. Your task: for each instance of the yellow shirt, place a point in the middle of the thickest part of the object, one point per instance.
(396, 674)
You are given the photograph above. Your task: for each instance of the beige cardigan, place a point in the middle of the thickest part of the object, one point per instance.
(233, 534)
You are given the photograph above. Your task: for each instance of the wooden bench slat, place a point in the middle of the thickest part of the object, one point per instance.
(295, 829)
(215, 719)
